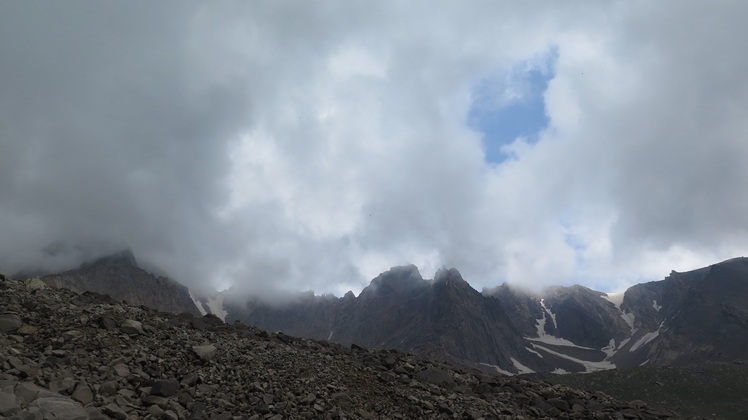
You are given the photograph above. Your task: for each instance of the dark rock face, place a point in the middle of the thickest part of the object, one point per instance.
(686, 318)
(119, 276)
(583, 317)
(698, 316)
(73, 367)
(400, 310)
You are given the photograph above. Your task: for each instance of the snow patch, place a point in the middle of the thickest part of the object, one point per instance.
(646, 338)
(541, 322)
(553, 316)
(546, 338)
(198, 304)
(656, 306)
(629, 318)
(498, 369)
(624, 342)
(559, 371)
(617, 299)
(549, 339)
(644, 362)
(588, 366)
(215, 305)
(533, 351)
(520, 367)
(610, 349)
(329, 337)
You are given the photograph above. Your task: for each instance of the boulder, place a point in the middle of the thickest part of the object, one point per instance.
(132, 327)
(9, 323)
(205, 352)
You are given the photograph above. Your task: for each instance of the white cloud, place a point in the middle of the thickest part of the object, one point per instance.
(295, 146)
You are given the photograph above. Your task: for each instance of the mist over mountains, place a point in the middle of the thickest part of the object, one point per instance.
(686, 318)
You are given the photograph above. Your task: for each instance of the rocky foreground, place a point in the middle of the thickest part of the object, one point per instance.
(86, 356)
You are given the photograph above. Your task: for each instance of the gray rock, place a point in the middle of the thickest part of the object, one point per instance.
(34, 284)
(108, 388)
(95, 414)
(83, 393)
(559, 403)
(170, 415)
(155, 411)
(165, 387)
(62, 407)
(121, 401)
(115, 411)
(27, 392)
(190, 379)
(638, 404)
(121, 370)
(107, 323)
(9, 323)
(341, 397)
(26, 329)
(436, 377)
(309, 399)
(156, 400)
(66, 385)
(8, 404)
(205, 352)
(132, 327)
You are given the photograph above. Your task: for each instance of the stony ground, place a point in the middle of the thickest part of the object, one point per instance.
(713, 390)
(69, 355)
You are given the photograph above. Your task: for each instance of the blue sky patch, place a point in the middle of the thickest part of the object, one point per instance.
(511, 104)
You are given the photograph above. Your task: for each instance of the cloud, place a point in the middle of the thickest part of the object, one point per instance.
(292, 146)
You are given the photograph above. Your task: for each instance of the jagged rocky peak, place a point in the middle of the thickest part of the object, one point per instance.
(396, 280)
(450, 277)
(507, 289)
(570, 291)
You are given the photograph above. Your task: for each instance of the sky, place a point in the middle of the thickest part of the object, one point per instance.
(291, 146)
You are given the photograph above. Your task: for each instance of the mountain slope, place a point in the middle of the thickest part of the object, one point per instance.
(119, 276)
(707, 390)
(692, 317)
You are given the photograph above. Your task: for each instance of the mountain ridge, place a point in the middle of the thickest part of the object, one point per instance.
(561, 329)
(119, 276)
(686, 318)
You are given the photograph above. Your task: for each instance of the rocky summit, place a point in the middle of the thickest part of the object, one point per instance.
(71, 355)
